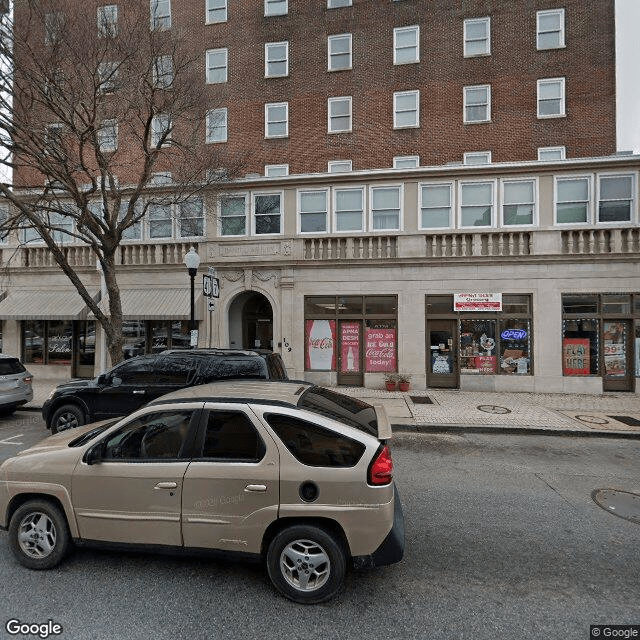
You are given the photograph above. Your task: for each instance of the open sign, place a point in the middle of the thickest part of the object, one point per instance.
(513, 334)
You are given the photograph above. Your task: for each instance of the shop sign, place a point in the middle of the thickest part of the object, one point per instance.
(513, 334)
(321, 337)
(380, 352)
(485, 364)
(576, 357)
(350, 347)
(477, 302)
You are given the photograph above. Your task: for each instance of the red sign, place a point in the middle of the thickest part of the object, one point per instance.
(486, 364)
(380, 351)
(350, 347)
(575, 357)
(321, 338)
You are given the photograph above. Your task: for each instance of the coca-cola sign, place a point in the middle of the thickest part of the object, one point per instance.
(321, 337)
(380, 350)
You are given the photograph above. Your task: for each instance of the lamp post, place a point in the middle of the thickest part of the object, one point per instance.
(192, 260)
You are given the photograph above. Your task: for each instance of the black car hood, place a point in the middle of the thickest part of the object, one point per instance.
(76, 384)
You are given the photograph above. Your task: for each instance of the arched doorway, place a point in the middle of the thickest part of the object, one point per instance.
(251, 322)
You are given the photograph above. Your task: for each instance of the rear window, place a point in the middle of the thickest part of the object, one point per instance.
(9, 366)
(216, 368)
(345, 409)
(313, 445)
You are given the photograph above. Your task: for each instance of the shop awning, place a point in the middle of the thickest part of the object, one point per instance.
(157, 304)
(44, 305)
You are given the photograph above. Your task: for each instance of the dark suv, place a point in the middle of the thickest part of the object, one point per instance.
(132, 383)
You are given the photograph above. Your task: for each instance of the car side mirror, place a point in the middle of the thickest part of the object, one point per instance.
(101, 379)
(95, 454)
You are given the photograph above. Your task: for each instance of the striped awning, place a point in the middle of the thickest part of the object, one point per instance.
(157, 304)
(44, 305)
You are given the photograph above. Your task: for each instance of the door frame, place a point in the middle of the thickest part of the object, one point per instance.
(626, 383)
(451, 381)
(356, 378)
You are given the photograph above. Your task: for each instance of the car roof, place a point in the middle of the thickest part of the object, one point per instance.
(6, 356)
(217, 352)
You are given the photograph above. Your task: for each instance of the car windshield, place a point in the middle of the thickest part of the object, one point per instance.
(346, 409)
(92, 433)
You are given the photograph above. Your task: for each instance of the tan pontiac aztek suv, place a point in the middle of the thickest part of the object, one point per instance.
(291, 473)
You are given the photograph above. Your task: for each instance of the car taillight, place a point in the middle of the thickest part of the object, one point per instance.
(381, 469)
(27, 380)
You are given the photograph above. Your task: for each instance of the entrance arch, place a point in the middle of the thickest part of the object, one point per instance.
(251, 322)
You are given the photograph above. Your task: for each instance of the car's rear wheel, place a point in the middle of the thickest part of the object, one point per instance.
(67, 417)
(307, 564)
(38, 535)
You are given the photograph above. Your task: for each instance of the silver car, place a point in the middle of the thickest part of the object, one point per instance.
(15, 385)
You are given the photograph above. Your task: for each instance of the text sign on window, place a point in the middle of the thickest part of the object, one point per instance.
(380, 349)
(477, 302)
(321, 336)
(350, 347)
(576, 357)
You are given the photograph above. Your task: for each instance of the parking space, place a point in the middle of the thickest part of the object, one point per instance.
(19, 431)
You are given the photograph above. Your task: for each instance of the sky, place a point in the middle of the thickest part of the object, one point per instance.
(628, 74)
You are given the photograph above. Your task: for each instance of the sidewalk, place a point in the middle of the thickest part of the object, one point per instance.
(434, 410)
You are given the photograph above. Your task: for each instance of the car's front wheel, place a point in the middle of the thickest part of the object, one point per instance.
(38, 535)
(67, 417)
(307, 564)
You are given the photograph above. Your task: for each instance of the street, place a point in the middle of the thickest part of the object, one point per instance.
(503, 540)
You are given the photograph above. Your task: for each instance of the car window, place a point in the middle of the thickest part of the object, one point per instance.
(135, 372)
(231, 436)
(313, 445)
(175, 369)
(219, 368)
(10, 366)
(154, 436)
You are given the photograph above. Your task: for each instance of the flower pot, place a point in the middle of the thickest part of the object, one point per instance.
(404, 386)
(390, 385)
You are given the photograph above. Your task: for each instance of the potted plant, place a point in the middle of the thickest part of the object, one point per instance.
(390, 380)
(404, 381)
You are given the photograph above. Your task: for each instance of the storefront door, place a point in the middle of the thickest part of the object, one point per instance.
(350, 353)
(617, 341)
(442, 346)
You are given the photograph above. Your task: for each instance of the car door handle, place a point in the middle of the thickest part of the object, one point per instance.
(166, 485)
(138, 391)
(255, 487)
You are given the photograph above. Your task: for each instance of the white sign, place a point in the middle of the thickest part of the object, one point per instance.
(194, 338)
(211, 304)
(477, 302)
(210, 286)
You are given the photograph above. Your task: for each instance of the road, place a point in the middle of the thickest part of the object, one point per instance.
(503, 541)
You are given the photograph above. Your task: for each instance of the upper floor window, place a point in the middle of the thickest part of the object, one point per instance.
(551, 153)
(217, 125)
(406, 45)
(217, 65)
(551, 98)
(191, 218)
(477, 37)
(233, 215)
(477, 157)
(349, 209)
(406, 162)
(108, 21)
(477, 103)
(573, 200)
(160, 15)
(108, 136)
(276, 170)
(276, 59)
(406, 109)
(339, 113)
(161, 126)
(339, 166)
(550, 29)
(334, 4)
(183, 220)
(518, 202)
(312, 211)
(4, 232)
(339, 52)
(276, 7)
(477, 204)
(436, 201)
(216, 11)
(107, 75)
(163, 72)
(53, 138)
(276, 120)
(53, 26)
(616, 198)
(267, 213)
(385, 208)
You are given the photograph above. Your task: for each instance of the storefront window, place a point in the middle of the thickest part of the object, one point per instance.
(381, 346)
(33, 341)
(636, 348)
(515, 346)
(86, 343)
(59, 339)
(580, 303)
(47, 341)
(616, 303)
(580, 347)
(478, 346)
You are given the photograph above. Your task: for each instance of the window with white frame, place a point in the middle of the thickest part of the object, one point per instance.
(339, 110)
(518, 202)
(616, 198)
(53, 26)
(53, 138)
(276, 7)
(312, 211)
(267, 213)
(163, 72)
(406, 109)
(134, 231)
(108, 136)
(217, 126)
(385, 208)
(183, 220)
(406, 45)
(334, 4)
(406, 162)
(107, 21)
(551, 98)
(161, 178)
(546, 154)
(216, 11)
(107, 75)
(339, 52)
(217, 65)
(233, 215)
(160, 15)
(477, 157)
(161, 126)
(435, 206)
(349, 209)
(339, 166)
(550, 29)
(4, 217)
(276, 120)
(160, 220)
(573, 200)
(477, 203)
(477, 103)
(276, 170)
(60, 226)
(477, 37)
(276, 59)
(191, 218)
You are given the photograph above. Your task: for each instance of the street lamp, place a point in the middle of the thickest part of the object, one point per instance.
(192, 260)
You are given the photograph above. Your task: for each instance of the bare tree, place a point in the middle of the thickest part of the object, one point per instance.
(94, 106)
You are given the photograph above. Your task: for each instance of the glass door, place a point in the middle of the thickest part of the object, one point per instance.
(617, 347)
(350, 353)
(442, 365)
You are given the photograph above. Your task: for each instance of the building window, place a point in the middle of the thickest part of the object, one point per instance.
(616, 200)
(217, 129)
(276, 170)
(406, 109)
(477, 103)
(108, 21)
(339, 52)
(216, 11)
(134, 230)
(339, 166)
(47, 341)
(53, 26)
(406, 45)
(191, 218)
(477, 37)
(518, 202)
(53, 138)
(477, 157)
(108, 136)
(312, 211)
(161, 127)
(276, 120)
(349, 209)
(406, 162)
(267, 213)
(385, 208)
(276, 59)
(153, 336)
(334, 4)
(573, 198)
(551, 98)
(160, 15)
(435, 206)
(550, 29)
(4, 234)
(276, 7)
(107, 75)
(160, 220)
(477, 203)
(547, 154)
(163, 72)
(340, 114)
(217, 66)
(233, 215)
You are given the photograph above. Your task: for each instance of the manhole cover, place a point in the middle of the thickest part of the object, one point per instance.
(620, 503)
(491, 408)
(628, 420)
(421, 400)
(592, 419)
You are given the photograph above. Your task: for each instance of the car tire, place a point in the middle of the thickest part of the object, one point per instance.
(39, 536)
(306, 564)
(69, 416)
(7, 411)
